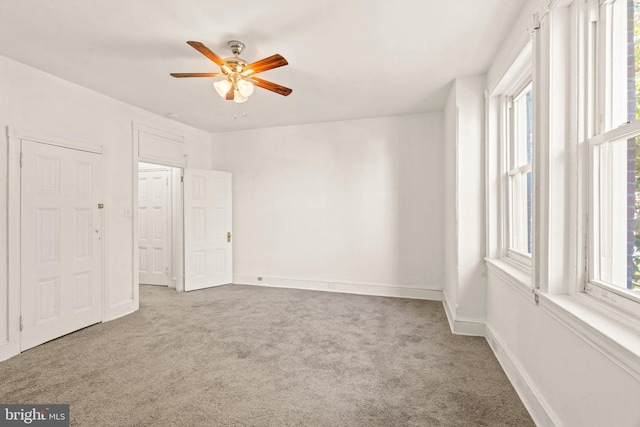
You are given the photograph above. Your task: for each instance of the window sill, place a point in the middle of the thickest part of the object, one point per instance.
(582, 314)
(512, 273)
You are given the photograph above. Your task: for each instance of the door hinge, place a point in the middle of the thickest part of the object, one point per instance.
(20, 323)
(181, 178)
(21, 159)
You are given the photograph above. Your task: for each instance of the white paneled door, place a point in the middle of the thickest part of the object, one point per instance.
(207, 229)
(61, 249)
(153, 223)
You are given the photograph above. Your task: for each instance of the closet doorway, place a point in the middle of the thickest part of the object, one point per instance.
(159, 224)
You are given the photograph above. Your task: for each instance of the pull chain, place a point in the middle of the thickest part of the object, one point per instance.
(244, 111)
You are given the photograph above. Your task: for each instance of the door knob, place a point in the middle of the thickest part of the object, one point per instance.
(228, 237)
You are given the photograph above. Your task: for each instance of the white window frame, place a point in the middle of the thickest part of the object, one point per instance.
(516, 79)
(516, 191)
(605, 124)
(564, 123)
(609, 111)
(606, 292)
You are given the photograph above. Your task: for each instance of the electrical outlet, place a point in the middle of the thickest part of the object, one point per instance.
(259, 279)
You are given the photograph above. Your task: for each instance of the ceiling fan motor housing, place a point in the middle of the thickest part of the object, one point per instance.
(234, 62)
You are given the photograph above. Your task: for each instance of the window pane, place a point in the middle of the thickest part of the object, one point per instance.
(619, 77)
(521, 221)
(616, 214)
(620, 62)
(529, 213)
(633, 59)
(633, 215)
(523, 126)
(529, 126)
(633, 148)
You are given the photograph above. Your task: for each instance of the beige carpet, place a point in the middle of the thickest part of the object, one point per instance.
(252, 356)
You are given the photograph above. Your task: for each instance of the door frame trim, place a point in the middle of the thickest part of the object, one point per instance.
(17, 133)
(15, 136)
(177, 162)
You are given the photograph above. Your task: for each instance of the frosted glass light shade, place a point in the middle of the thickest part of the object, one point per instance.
(245, 88)
(222, 87)
(237, 97)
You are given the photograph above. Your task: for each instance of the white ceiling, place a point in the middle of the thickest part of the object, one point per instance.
(348, 59)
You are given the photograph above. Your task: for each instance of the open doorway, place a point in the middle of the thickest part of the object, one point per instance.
(159, 223)
(198, 217)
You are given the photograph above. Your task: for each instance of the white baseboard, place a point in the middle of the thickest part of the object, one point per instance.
(121, 309)
(532, 399)
(462, 325)
(9, 349)
(347, 288)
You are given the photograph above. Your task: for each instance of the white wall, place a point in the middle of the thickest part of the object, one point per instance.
(354, 206)
(465, 282)
(513, 44)
(562, 378)
(472, 272)
(451, 198)
(42, 103)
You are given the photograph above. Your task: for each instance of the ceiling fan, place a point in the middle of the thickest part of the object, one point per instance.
(238, 77)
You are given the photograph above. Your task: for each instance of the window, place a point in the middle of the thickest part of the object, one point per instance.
(509, 159)
(519, 174)
(614, 153)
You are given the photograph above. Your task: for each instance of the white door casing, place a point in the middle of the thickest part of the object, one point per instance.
(61, 249)
(153, 230)
(207, 229)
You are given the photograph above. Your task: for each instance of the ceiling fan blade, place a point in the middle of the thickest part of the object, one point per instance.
(274, 61)
(273, 87)
(206, 52)
(230, 94)
(180, 75)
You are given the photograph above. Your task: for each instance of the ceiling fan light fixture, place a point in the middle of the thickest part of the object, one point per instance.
(238, 97)
(222, 87)
(245, 88)
(237, 76)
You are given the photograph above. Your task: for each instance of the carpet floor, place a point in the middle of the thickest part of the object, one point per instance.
(256, 356)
